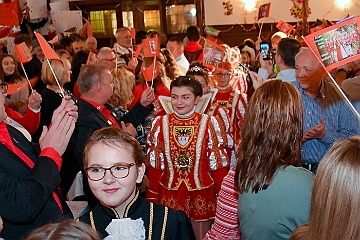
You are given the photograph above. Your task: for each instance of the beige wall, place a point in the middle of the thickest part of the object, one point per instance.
(214, 11)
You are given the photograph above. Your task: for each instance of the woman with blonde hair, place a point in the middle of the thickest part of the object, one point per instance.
(124, 84)
(54, 88)
(335, 196)
(52, 95)
(274, 190)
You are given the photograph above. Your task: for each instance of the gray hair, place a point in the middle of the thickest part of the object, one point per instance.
(89, 76)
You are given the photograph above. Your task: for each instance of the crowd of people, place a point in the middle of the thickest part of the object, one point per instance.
(253, 149)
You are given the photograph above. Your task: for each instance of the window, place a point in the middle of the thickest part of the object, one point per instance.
(128, 19)
(104, 23)
(180, 17)
(152, 20)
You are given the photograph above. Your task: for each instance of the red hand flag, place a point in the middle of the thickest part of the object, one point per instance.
(23, 52)
(151, 47)
(48, 51)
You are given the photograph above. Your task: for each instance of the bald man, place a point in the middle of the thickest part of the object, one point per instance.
(91, 44)
(107, 58)
(327, 118)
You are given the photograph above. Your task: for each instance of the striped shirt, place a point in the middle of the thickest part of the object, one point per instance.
(226, 224)
(340, 122)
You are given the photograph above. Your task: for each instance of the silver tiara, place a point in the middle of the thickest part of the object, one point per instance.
(196, 69)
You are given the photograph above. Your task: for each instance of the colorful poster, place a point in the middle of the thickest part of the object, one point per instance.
(336, 45)
(213, 54)
(38, 9)
(264, 11)
(64, 20)
(284, 27)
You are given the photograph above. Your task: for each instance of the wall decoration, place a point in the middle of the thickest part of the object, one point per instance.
(228, 8)
(296, 9)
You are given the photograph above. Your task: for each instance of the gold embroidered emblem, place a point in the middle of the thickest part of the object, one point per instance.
(183, 135)
(222, 103)
(183, 162)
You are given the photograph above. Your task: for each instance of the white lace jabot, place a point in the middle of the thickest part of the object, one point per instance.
(126, 228)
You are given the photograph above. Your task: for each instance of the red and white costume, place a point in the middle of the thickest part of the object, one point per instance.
(236, 104)
(186, 162)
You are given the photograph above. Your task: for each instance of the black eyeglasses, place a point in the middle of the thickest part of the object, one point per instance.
(109, 60)
(118, 171)
(223, 75)
(4, 87)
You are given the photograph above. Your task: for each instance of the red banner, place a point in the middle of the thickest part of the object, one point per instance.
(11, 14)
(151, 47)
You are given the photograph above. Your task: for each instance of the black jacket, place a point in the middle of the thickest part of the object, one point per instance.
(176, 226)
(26, 200)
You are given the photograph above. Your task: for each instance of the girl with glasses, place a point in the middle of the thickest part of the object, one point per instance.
(186, 157)
(115, 167)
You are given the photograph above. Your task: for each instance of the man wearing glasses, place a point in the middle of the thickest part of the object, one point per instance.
(107, 58)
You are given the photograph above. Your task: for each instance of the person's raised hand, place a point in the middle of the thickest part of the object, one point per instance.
(133, 63)
(34, 101)
(257, 79)
(317, 132)
(69, 106)
(129, 128)
(62, 127)
(147, 97)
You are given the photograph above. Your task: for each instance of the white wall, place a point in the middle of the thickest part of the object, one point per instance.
(214, 11)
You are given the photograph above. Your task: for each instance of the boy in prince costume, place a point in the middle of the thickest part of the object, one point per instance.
(186, 157)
